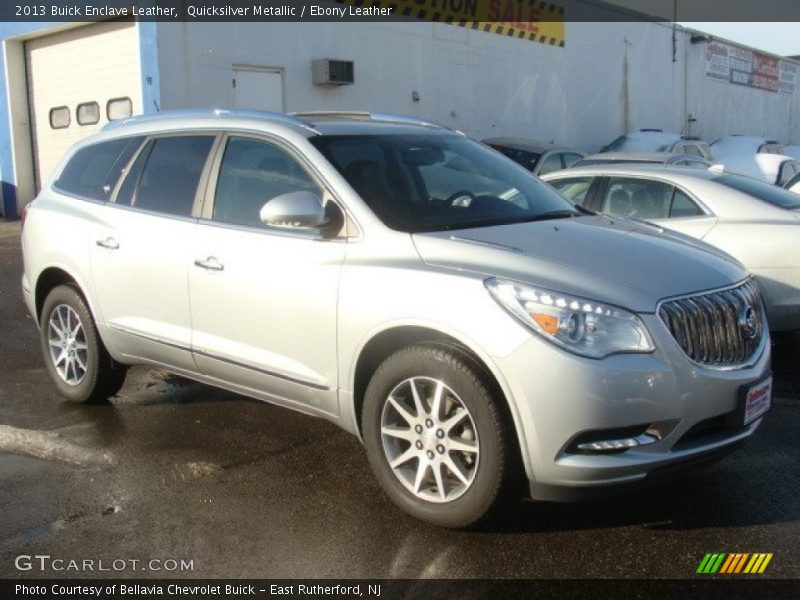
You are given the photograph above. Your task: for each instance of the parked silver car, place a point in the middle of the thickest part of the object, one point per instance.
(408, 284)
(643, 158)
(753, 221)
(538, 157)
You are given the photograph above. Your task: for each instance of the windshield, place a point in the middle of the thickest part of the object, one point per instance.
(526, 158)
(642, 142)
(761, 190)
(436, 182)
(587, 162)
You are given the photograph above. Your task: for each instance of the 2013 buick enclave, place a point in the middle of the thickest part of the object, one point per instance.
(409, 284)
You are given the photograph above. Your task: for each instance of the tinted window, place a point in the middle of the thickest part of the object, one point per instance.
(253, 173)
(439, 181)
(574, 189)
(693, 150)
(169, 179)
(570, 159)
(761, 190)
(586, 162)
(793, 185)
(787, 171)
(551, 163)
(637, 198)
(683, 206)
(94, 171)
(525, 158)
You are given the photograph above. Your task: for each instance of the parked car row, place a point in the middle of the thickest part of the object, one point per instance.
(747, 155)
(756, 223)
(472, 326)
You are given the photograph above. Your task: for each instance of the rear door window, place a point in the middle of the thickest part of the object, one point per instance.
(573, 189)
(93, 171)
(552, 162)
(683, 206)
(570, 159)
(637, 198)
(166, 174)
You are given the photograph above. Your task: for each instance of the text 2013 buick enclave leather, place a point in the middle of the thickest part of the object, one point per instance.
(405, 282)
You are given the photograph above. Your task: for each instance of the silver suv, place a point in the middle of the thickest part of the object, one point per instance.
(410, 285)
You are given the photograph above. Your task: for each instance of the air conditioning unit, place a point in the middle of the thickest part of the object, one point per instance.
(329, 71)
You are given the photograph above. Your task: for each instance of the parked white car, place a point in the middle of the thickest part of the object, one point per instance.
(755, 157)
(658, 140)
(756, 223)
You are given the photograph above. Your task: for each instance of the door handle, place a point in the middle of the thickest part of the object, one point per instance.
(109, 243)
(209, 264)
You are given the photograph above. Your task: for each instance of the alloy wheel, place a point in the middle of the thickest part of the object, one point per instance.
(430, 439)
(67, 341)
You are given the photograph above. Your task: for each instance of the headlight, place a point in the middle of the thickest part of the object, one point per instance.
(581, 326)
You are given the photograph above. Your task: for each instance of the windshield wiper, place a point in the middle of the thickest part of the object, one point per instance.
(552, 214)
(469, 224)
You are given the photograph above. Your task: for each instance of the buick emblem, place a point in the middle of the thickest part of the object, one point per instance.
(748, 324)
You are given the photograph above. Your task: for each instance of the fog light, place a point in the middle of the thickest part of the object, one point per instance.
(644, 439)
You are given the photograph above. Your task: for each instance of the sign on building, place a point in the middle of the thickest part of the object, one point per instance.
(741, 66)
(531, 20)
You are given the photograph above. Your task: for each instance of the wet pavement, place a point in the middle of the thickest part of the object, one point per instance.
(244, 489)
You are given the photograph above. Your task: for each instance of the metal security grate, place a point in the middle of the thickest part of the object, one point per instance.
(718, 329)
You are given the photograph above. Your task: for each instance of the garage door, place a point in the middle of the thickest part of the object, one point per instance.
(77, 81)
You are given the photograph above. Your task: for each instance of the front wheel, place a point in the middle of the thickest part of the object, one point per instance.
(76, 359)
(435, 436)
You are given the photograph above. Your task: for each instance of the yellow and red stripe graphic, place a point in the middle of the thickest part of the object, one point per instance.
(734, 562)
(531, 20)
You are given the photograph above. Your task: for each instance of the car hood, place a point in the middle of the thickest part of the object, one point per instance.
(620, 262)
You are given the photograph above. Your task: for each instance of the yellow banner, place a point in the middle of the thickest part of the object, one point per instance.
(531, 20)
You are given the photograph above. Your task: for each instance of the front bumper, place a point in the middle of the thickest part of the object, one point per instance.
(560, 398)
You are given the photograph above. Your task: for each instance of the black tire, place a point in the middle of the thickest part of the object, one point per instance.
(103, 377)
(494, 466)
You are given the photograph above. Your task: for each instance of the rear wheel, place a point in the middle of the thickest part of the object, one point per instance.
(76, 358)
(435, 436)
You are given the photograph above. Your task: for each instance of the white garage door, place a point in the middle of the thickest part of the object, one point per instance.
(77, 80)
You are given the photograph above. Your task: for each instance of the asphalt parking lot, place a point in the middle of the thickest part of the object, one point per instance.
(176, 470)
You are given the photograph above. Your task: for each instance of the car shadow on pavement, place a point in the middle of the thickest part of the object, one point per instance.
(786, 364)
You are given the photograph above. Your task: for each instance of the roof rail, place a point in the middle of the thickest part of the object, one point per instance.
(351, 114)
(208, 113)
(369, 116)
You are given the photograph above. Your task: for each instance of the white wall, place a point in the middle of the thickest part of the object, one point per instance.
(723, 108)
(482, 83)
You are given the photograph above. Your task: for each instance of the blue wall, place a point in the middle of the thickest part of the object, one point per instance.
(151, 100)
(9, 189)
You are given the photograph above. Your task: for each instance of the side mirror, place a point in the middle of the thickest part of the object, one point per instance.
(300, 210)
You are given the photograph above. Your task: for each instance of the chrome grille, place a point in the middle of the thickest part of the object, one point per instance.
(713, 329)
